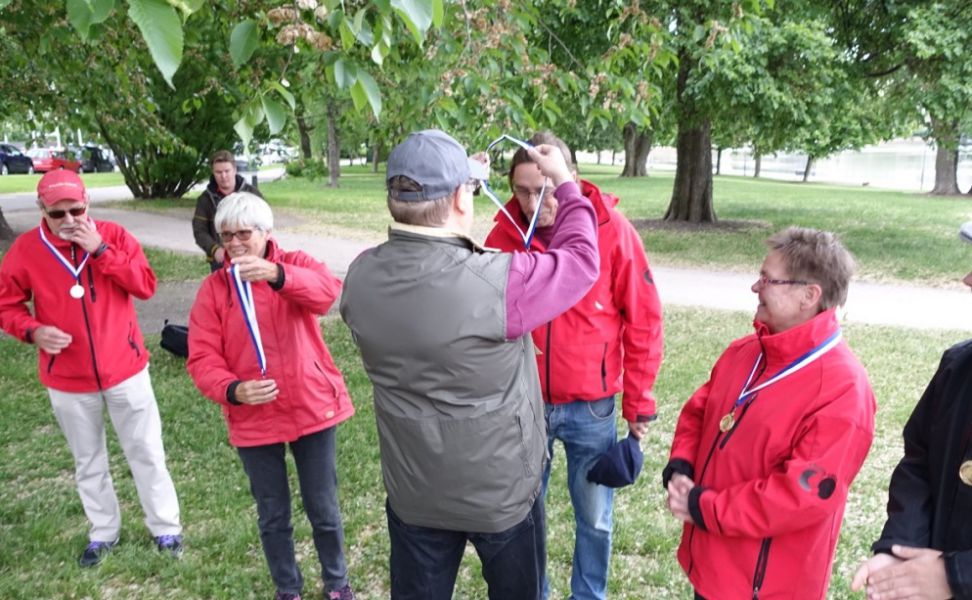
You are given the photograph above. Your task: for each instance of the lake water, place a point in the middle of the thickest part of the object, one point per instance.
(906, 164)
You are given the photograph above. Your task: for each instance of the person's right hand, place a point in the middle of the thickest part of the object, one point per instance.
(679, 487)
(257, 391)
(552, 163)
(870, 567)
(50, 339)
(219, 255)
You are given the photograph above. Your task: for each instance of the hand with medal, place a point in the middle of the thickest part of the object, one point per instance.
(85, 235)
(679, 487)
(50, 339)
(254, 268)
(257, 391)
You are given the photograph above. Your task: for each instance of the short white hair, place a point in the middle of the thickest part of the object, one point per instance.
(243, 209)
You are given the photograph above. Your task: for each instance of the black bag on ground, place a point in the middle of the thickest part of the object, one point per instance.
(175, 339)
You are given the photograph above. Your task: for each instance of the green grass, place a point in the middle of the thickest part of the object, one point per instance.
(43, 527)
(12, 184)
(170, 266)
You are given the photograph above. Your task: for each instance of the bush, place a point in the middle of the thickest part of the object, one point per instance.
(309, 168)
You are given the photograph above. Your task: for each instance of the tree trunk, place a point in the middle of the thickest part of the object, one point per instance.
(598, 157)
(692, 194)
(6, 233)
(614, 156)
(757, 165)
(806, 170)
(333, 144)
(304, 131)
(719, 161)
(375, 155)
(637, 146)
(573, 157)
(946, 135)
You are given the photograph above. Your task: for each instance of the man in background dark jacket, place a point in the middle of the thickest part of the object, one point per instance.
(925, 549)
(223, 182)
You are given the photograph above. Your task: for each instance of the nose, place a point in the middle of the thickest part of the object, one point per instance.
(757, 285)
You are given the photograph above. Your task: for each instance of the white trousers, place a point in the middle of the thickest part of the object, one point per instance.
(135, 415)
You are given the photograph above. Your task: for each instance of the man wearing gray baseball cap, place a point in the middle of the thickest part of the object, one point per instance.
(443, 327)
(925, 549)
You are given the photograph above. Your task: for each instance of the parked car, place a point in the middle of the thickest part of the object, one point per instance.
(93, 159)
(49, 159)
(13, 160)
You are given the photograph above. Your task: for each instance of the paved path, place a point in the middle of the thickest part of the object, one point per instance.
(899, 305)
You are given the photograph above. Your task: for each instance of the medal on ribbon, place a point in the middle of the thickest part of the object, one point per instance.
(728, 421)
(76, 291)
(527, 235)
(244, 293)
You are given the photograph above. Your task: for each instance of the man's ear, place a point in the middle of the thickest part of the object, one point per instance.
(458, 206)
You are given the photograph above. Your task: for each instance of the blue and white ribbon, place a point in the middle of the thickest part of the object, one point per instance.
(790, 369)
(244, 293)
(74, 271)
(527, 235)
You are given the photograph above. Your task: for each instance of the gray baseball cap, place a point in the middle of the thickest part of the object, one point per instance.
(965, 232)
(434, 160)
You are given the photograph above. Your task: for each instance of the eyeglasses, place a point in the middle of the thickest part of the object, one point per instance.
(60, 214)
(243, 235)
(526, 195)
(764, 280)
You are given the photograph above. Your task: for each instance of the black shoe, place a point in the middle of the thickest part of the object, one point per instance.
(170, 544)
(95, 553)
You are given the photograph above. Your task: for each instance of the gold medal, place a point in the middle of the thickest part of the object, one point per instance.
(726, 423)
(965, 472)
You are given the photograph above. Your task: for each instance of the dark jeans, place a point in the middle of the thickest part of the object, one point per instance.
(266, 467)
(425, 561)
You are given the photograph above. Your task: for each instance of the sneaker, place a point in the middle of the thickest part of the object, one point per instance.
(170, 544)
(286, 596)
(344, 593)
(95, 553)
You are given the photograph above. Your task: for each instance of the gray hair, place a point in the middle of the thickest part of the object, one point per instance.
(427, 213)
(243, 209)
(818, 257)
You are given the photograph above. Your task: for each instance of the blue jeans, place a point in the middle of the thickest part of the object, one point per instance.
(587, 430)
(266, 466)
(425, 561)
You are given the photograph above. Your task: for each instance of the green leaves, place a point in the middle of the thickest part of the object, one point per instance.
(243, 42)
(162, 30)
(417, 15)
(365, 89)
(82, 14)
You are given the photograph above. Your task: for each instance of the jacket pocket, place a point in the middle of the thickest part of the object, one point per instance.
(762, 559)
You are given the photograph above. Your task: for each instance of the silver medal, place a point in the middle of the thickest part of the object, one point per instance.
(77, 292)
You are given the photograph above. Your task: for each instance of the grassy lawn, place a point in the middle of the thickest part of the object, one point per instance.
(43, 527)
(12, 184)
(169, 266)
(895, 236)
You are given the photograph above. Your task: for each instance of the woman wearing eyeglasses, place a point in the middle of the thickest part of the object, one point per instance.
(255, 348)
(764, 452)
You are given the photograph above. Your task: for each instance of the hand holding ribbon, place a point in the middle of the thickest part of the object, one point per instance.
(525, 235)
(254, 268)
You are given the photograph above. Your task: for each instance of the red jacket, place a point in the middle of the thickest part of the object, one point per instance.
(312, 394)
(107, 346)
(616, 328)
(770, 492)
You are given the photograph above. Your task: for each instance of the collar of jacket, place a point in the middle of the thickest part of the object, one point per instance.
(786, 346)
(438, 233)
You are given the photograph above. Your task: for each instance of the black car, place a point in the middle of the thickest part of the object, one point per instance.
(93, 159)
(13, 160)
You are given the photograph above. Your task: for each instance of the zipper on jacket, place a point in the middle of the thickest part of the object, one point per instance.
(91, 284)
(604, 367)
(546, 363)
(761, 561)
(50, 363)
(87, 327)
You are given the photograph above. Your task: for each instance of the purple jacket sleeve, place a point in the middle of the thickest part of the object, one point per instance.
(541, 285)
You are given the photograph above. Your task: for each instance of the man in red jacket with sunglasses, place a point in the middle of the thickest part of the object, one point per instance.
(81, 276)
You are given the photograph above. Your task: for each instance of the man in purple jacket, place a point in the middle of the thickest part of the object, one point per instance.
(443, 328)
